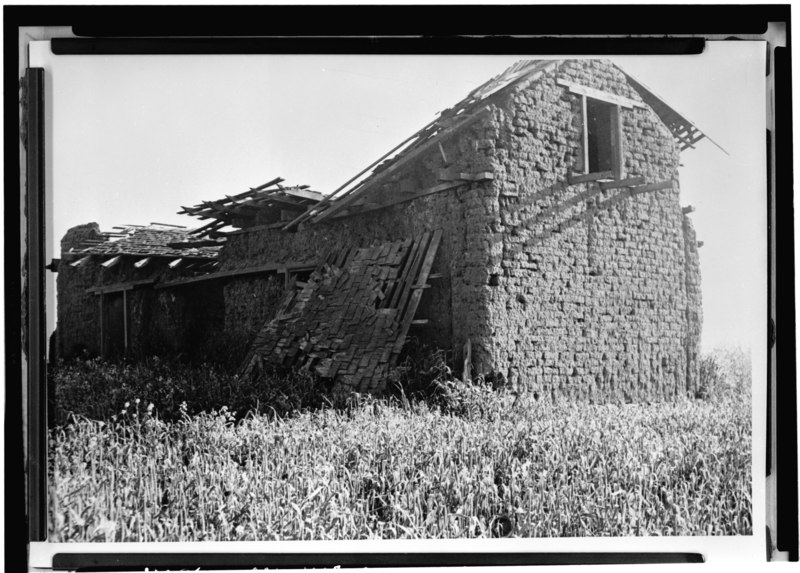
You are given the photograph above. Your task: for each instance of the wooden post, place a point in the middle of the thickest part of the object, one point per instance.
(125, 319)
(101, 325)
(585, 127)
(616, 141)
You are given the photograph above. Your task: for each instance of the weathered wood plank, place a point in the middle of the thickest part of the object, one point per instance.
(408, 314)
(119, 287)
(411, 197)
(630, 182)
(651, 187)
(588, 177)
(111, 262)
(407, 156)
(80, 261)
(598, 94)
(408, 269)
(271, 267)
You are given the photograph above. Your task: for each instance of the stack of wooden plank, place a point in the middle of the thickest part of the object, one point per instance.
(349, 321)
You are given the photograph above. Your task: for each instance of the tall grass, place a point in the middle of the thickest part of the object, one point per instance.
(485, 463)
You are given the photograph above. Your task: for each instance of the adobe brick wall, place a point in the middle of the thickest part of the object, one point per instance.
(248, 303)
(694, 308)
(160, 321)
(566, 289)
(587, 302)
(453, 304)
(78, 311)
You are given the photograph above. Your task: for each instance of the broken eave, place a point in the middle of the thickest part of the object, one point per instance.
(268, 202)
(448, 122)
(685, 132)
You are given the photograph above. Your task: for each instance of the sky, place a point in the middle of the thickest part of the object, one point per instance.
(133, 138)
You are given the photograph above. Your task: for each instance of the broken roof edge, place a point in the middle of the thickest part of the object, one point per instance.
(476, 100)
(242, 209)
(154, 240)
(650, 98)
(447, 122)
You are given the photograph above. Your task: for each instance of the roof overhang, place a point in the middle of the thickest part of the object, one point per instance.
(683, 130)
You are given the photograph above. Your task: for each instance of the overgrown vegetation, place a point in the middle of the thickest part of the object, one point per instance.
(97, 389)
(471, 462)
(723, 372)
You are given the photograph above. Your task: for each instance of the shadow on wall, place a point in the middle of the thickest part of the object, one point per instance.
(548, 217)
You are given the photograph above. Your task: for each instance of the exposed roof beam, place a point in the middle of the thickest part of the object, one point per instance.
(118, 287)
(272, 267)
(79, 262)
(111, 262)
(598, 94)
(402, 160)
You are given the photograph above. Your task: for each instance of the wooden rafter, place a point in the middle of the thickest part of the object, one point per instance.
(111, 262)
(243, 208)
(449, 121)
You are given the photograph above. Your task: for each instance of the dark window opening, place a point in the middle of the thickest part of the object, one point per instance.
(601, 150)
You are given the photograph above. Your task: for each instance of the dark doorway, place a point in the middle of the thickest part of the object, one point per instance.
(114, 327)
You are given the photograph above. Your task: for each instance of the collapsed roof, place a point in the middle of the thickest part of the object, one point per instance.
(286, 207)
(168, 243)
(349, 320)
(351, 194)
(266, 204)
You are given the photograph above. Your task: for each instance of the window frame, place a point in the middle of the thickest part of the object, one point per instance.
(615, 137)
(617, 140)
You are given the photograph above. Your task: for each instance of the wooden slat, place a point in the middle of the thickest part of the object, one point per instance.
(585, 137)
(630, 182)
(431, 191)
(271, 267)
(264, 186)
(473, 106)
(410, 279)
(617, 139)
(411, 310)
(598, 94)
(408, 264)
(329, 198)
(409, 155)
(119, 287)
(303, 193)
(652, 187)
(586, 178)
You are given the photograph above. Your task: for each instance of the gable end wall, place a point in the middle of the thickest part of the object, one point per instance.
(590, 294)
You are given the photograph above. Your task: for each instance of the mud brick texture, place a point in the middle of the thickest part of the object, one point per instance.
(597, 291)
(159, 321)
(349, 321)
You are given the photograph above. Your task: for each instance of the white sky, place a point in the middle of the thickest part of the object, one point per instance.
(132, 138)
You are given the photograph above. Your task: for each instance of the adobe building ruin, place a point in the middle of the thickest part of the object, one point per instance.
(535, 229)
